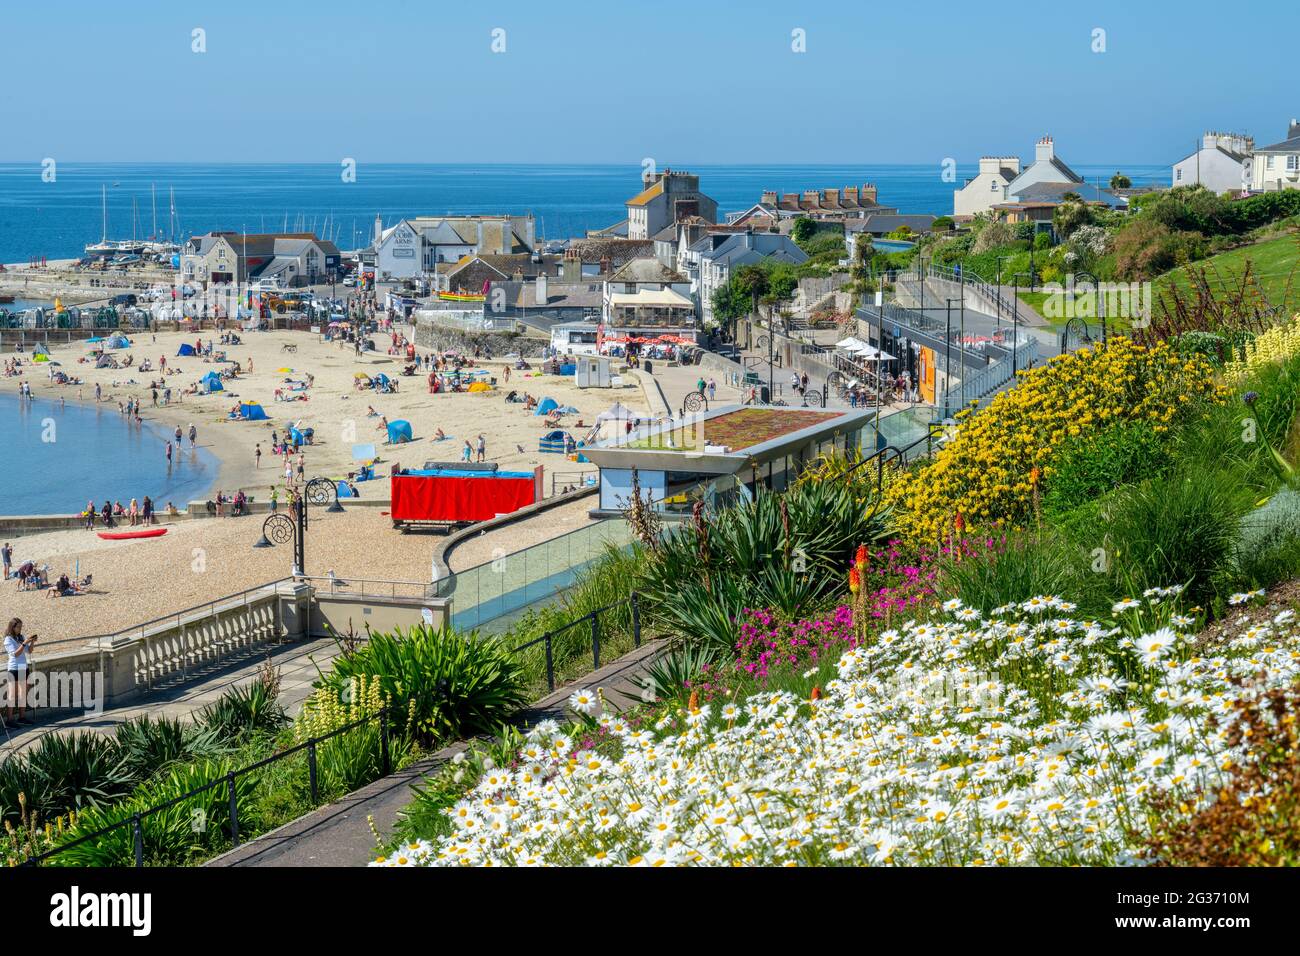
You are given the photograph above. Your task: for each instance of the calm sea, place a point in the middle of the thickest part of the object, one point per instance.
(56, 219)
(93, 453)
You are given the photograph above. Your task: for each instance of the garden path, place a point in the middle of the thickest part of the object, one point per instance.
(297, 662)
(340, 834)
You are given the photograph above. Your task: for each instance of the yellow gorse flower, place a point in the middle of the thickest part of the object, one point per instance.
(989, 470)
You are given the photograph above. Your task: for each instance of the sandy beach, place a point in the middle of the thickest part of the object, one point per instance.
(335, 409)
(203, 559)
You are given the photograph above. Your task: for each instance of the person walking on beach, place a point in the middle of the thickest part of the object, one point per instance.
(7, 555)
(194, 436)
(178, 434)
(17, 646)
(466, 453)
(154, 392)
(257, 456)
(169, 454)
(99, 391)
(482, 448)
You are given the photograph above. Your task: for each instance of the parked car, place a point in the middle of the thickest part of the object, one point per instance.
(349, 281)
(126, 298)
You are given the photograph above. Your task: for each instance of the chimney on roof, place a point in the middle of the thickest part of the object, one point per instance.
(811, 198)
(605, 263)
(541, 293)
(379, 228)
(867, 194)
(769, 197)
(1294, 131)
(851, 195)
(571, 266)
(1044, 151)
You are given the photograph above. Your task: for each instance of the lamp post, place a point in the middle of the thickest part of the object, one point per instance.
(279, 528)
(1015, 323)
(947, 357)
(999, 286)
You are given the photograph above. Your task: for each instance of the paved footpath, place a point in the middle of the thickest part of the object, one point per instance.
(296, 660)
(340, 834)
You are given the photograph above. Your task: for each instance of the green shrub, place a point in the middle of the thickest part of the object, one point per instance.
(242, 712)
(170, 836)
(1179, 530)
(1025, 566)
(1092, 465)
(788, 552)
(1268, 548)
(148, 744)
(460, 684)
(63, 772)
(667, 676)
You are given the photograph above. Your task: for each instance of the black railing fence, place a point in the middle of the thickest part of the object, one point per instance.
(136, 821)
(592, 620)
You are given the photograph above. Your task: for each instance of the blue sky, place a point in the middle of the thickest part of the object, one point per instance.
(684, 82)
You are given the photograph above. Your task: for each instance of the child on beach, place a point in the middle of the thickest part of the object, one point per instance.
(467, 452)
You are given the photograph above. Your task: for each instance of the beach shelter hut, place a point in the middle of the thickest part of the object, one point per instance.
(399, 431)
(546, 406)
(252, 412)
(212, 382)
(185, 349)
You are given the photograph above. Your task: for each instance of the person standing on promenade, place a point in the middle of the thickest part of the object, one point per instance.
(17, 646)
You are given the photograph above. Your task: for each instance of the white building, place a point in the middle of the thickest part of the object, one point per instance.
(414, 247)
(986, 189)
(1222, 163)
(1278, 166)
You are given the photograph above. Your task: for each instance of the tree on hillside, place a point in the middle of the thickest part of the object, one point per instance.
(1120, 181)
(803, 229)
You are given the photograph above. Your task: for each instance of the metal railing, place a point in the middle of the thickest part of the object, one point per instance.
(136, 820)
(370, 587)
(592, 620)
(190, 615)
(572, 480)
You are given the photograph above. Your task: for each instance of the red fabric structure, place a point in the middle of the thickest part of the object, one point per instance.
(439, 498)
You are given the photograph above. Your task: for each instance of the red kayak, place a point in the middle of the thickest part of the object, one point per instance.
(126, 535)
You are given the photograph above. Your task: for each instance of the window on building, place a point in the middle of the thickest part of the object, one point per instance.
(994, 185)
(1179, 174)
(1268, 162)
(1291, 163)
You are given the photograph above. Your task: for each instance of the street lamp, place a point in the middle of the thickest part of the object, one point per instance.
(279, 528)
